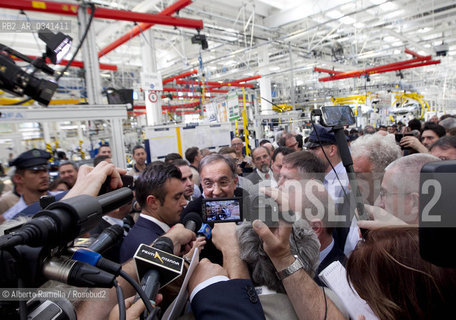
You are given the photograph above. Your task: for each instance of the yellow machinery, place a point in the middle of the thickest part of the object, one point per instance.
(355, 100)
(402, 99)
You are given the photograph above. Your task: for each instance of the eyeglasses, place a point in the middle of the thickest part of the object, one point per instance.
(207, 184)
(383, 193)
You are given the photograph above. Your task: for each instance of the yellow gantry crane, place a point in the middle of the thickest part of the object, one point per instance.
(402, 98)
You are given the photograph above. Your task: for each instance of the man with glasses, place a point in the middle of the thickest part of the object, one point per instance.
(218, 179)
(244, 162)
(398, 201)
(32, 172)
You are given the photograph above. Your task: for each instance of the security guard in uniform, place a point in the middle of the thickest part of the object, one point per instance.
(33, 171)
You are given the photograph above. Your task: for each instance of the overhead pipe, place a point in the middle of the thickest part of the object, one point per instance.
(175, 7)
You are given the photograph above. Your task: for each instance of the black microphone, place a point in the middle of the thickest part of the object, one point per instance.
(128, 223)
(107, 238)
(62, 221)
(156, 267)
(76, 273)
(192, 221)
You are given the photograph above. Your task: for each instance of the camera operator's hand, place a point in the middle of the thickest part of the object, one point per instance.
(90, 179)
(204, 271)
(181, 237)
(413, 143)
(379, 218)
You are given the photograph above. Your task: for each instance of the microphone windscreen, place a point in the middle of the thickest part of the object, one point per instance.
(194, 219)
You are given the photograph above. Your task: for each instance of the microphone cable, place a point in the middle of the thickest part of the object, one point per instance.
(138, 289)
(120, 301)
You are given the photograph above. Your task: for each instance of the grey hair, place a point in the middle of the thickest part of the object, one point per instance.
(448, 123)
(369, 129)
(218, 157)
(303, 243)
(409, 168)
(380, 150)
(66, 162)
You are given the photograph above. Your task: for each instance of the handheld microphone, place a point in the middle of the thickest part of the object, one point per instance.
(107, 238)
(128, 223)
(95, 259)
(192, 221)
(76, 273)
(156, 268)
(62, 221)
(205, 231)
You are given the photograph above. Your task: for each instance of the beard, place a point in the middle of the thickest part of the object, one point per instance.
(264, 168)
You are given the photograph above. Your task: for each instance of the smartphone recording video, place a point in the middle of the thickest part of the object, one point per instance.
(337, 116)
(222, 210)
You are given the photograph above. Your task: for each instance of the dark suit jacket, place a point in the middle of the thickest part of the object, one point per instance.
(254, 177)
(144, 231)
(232, 299)
(334, 255)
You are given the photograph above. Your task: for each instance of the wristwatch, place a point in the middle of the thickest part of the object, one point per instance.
(292, 268)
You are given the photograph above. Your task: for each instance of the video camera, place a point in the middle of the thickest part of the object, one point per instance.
(38, 250)
(20, 82)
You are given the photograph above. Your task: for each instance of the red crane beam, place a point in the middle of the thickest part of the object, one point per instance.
(316, 69)
(179, 76)
(382, 70)
(178, 5)
(103, 13)
(418, 61)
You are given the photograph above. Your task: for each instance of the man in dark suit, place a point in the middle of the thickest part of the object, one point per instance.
(329, 252)
(160, 193)
(218, 179)
(262, 161)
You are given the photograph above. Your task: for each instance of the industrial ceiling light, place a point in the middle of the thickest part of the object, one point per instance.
(200, 39)
(57, 45)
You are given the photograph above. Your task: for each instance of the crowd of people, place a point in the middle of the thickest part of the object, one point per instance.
(271, 270)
